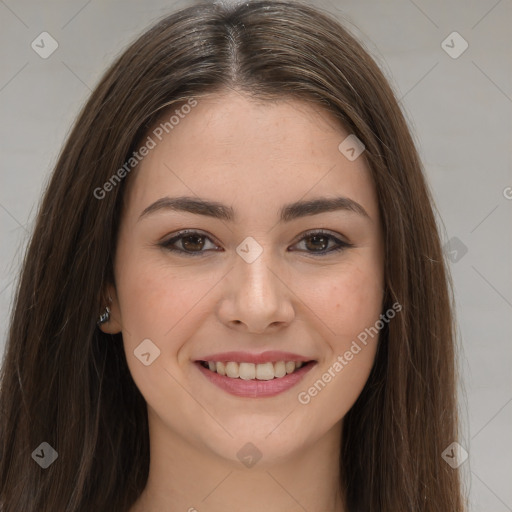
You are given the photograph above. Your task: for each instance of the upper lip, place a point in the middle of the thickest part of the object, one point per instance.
(248, 357)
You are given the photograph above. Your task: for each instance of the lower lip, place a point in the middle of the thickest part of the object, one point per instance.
(256, 388)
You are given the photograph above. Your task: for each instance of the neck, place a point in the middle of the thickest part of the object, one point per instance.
(183, 478)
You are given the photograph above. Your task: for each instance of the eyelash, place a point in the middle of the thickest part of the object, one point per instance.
(168, 244)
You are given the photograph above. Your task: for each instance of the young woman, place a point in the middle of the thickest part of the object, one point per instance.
(235, 297)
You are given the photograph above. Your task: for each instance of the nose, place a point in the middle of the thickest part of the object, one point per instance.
(257, 297)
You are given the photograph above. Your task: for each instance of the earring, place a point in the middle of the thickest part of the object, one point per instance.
(104, 317)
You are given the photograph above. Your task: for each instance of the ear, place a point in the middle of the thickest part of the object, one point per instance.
(114, 324)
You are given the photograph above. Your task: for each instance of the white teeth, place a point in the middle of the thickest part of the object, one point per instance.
(265, 371)
(221, 368)
(289, 366)
(251, 371)
(279, 369)
(247, 371)
(232, 370)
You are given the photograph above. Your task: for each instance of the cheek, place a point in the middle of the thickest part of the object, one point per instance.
(157, 303)
(154, 299)
(349, 305)
(347, 300)
(162, 303)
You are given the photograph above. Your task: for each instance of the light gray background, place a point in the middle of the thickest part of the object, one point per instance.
(460, 113)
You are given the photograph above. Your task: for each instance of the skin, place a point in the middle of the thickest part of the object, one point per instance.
(254, 157)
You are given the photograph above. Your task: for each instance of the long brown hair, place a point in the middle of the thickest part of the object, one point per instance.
(66, 383)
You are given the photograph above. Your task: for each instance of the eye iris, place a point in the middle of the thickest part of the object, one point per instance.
(317, 238)
(195, 242)
(194, 245)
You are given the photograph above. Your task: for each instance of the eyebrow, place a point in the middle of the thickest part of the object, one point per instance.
(287, 213)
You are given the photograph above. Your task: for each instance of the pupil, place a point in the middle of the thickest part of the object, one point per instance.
(194, 245)
(317, 237)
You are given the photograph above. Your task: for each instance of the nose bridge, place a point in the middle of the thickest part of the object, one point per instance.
(259, 297)
(255, 277)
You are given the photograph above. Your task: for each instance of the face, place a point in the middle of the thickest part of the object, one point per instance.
(260, 286)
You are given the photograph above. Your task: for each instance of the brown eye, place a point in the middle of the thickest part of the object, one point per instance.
(192, 242)
(318, 243)
(189, 243)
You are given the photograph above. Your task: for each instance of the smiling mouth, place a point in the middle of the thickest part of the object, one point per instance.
(252, 371)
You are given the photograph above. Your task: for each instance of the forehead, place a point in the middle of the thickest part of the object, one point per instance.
(237, 150)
